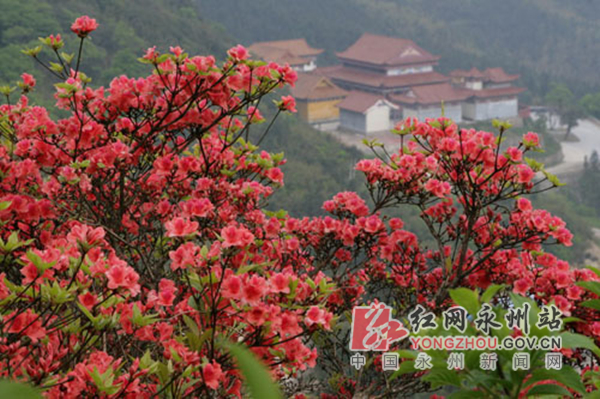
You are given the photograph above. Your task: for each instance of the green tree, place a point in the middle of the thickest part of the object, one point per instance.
(591, 104)
(563, 100)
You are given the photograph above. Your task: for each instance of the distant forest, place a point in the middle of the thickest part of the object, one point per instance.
(465, 33)
(543, 40)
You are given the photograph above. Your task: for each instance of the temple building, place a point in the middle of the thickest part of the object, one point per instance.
(366, 113)
(317, 100)
(404, 74)
(384, 65)
(432, 101)
(492, 94)
(380, 80)
(296, 52)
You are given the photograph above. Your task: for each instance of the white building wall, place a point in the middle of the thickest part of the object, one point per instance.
(311, 66)
(453, 112)
(406, 71)
(329, 126)
(552, 118)
(474, 85)
(409, 112)
(496, 109)
(469, 110)
(354, 121)
(378, 118)
(308, 67)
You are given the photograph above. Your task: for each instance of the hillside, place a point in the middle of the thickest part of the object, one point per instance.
(318, 166)
(465, 33)
(126, 31)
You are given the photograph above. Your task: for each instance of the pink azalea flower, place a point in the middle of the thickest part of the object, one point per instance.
(181, 227)
(238, 53)
(83, 26)
(288, 103)
(212, 374)
(236, 236)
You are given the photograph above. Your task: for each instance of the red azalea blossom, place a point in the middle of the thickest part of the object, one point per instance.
(531, 139)
(236, 236)
(135, 237)
(28, 323)
(88, 300)
(212, 373)
(180, 227)
(288, 103)
(238, 53)
(28, 80)
(83, 26)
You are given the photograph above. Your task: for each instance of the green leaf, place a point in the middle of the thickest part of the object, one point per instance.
(593, 395)
(534, 165)
(67, 57)
(467, 299)
(592, 303)
(86, 312)
(13, 242)
(442, 377)
(191, 324)
(572, 341)
(549, 389)
(248, 268)
(567, 376)
(32, 52)
(406, 367)
(407, 354)
(490, 292)
(594, 269)
(6, 90)
(468, 395)
(9, 389)
(56, 67)
(571, 319)
(258, 380)
(592, 286)
(553, 179)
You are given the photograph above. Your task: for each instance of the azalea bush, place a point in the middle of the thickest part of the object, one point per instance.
(471, 194)
(133, 237)
(135, 242)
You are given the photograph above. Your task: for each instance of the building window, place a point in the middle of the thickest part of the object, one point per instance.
(409, 70)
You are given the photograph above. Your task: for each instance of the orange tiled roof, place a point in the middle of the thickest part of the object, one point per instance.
(359, 101)
(386, 51)
(497, 92)
(472, 73)
(432, 94)
(495, 75)
(435, 94)
(377, 80)
(297, 47)
(278, 55)
(315, 87)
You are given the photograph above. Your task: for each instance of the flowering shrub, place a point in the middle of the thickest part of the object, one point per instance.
(134, 240)
(471, 196)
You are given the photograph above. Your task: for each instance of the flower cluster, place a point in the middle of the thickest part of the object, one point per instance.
(470, 194)
(134, 240)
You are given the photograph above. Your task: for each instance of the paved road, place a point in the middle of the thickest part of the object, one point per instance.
(588, 132)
